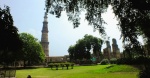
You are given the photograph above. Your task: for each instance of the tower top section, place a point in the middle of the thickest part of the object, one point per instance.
(45, 17)
(107, 44)
(114, 41)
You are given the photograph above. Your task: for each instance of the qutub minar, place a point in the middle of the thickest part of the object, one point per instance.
(45, 43)
(44, 38)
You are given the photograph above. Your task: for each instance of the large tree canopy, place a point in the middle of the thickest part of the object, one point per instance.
(133, 19)
(81, 50)
(10, 43)
(32, 49)
(73, 8)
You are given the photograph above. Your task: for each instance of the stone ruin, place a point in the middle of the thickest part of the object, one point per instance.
(109, 53)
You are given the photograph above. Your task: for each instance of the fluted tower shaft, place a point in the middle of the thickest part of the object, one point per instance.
(44, 38)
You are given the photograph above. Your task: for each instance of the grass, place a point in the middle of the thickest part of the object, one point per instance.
(98, 71)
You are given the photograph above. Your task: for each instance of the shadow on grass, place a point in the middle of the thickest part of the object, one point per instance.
(109, 66)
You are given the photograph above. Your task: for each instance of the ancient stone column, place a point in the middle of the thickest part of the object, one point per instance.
(115, 49)
(107, 51)
(44, 38)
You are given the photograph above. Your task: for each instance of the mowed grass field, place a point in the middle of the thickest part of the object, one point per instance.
(97, 71)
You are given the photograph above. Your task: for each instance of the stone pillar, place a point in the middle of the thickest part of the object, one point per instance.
(44, 38)
(107, 51)
(115, 49)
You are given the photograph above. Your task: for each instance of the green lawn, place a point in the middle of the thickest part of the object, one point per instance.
(98, 71)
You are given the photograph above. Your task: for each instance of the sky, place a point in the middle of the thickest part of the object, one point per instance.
(28, 17)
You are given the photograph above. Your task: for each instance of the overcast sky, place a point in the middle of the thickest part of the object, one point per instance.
(28, 17)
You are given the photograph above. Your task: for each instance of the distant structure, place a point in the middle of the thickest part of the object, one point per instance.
(115, 49)
(115, 53)
(107, 51)
(45, 44)
(44, 38)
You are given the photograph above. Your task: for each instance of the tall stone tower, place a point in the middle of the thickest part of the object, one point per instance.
(107, 51)
(44, 38)
(115, 49)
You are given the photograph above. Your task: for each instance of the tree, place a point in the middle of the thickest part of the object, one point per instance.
(10, 43)
(73, 8)
(32, 49)
(71, 51)
(133, 19)
(81, 50)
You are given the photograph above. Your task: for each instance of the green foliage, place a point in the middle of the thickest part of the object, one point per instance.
(144, 73)
(113, 61)
(57, 65)
(81, 50)
(73, 8)
(134, 61)
(104, 62)
(10, 44)
(133, 19)
(32, 49)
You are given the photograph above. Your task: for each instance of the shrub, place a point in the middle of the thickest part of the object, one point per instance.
(113, 61)
(144, 73)
(87, 62)
(57, 65)
(134, 61)
(124, 61)
(72, 65)
(51, 65)
(104, 62)
(62, 65)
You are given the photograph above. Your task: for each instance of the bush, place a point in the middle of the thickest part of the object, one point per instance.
(141, 60)
(51, 66)
(113, 61)
(145, 73)
(87, 62)
(57, 65)
(72, 65)
(134, 61)
(104, 62)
